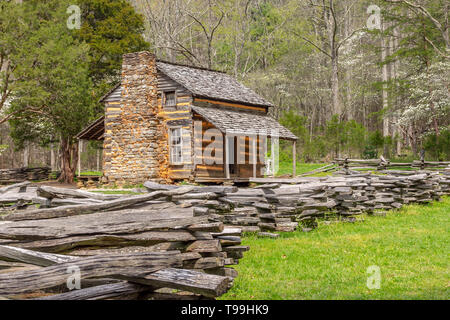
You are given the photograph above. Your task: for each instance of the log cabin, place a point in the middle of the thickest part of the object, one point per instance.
(167, 122)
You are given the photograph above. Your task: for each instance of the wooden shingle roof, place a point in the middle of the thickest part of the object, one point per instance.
(211, 84)
(203, 83)
(94, 131)
(240, 122)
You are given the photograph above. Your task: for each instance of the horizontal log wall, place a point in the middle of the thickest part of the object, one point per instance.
(164, 118)
(176, 117)
(207, 166)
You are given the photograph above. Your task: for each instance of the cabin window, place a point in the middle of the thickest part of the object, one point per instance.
(176, 146)
(170, 99)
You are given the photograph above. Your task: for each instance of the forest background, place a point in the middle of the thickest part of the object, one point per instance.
(351, 78)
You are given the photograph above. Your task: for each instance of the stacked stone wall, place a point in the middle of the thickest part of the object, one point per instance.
(133, 133)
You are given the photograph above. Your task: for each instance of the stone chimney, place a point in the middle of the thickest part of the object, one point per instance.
(132, 130)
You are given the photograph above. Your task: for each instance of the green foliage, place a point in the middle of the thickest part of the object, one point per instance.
(336, 138)
(438, 148)
(376, 139)
(285, 167)
(370, 152)
(110, 28)
(3, 148)
(53, 96)
(91, 173)
(374, 145)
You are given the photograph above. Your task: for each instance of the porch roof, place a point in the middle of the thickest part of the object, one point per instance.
(94, 131)
(243, 122)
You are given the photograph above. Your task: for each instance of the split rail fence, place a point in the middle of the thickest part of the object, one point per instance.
(171, 237)
(124, 247)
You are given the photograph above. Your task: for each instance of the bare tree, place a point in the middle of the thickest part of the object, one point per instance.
(167, 27)
(328, 17)
(214, 16)
(443, 27)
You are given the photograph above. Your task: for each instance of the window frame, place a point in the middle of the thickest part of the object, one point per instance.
(165, 93)
(172, 146)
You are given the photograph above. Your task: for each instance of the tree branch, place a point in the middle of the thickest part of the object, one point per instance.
(421, 8)
(313, 44)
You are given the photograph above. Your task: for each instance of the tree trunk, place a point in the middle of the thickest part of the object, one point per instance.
(53, 163)
(385, 79)
(430, 91)
(349, 112)
(69, 158)
(98, 160)
(395, 70)
(26, 155)
(335, 85)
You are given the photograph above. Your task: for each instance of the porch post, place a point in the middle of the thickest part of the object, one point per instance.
(264, 155)
(80, 148)
(254, 139)
(272, 153)
(227, 157)
(98, 160)
(294, 159)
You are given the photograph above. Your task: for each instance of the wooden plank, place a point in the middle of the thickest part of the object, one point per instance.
(14, 186)
(137, 239)
(294, 159)
(54, 192)
(196, 282)
(67, 211)
(189, 280)
(254, 154)
(227, 157)
(102, 223)
(204, 246)
(120, 290)
(207, 227)
(228, 104)
(32, 257)
(90, 267)
(204, 263)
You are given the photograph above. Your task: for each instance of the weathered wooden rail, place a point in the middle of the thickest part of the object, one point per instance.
(197, 230)
(17, 175)
(350, 166)
(124, 246)
(279, 204)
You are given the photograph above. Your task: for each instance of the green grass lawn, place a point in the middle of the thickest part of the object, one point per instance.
(286, 167)
(410, 246)
(91, 173)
